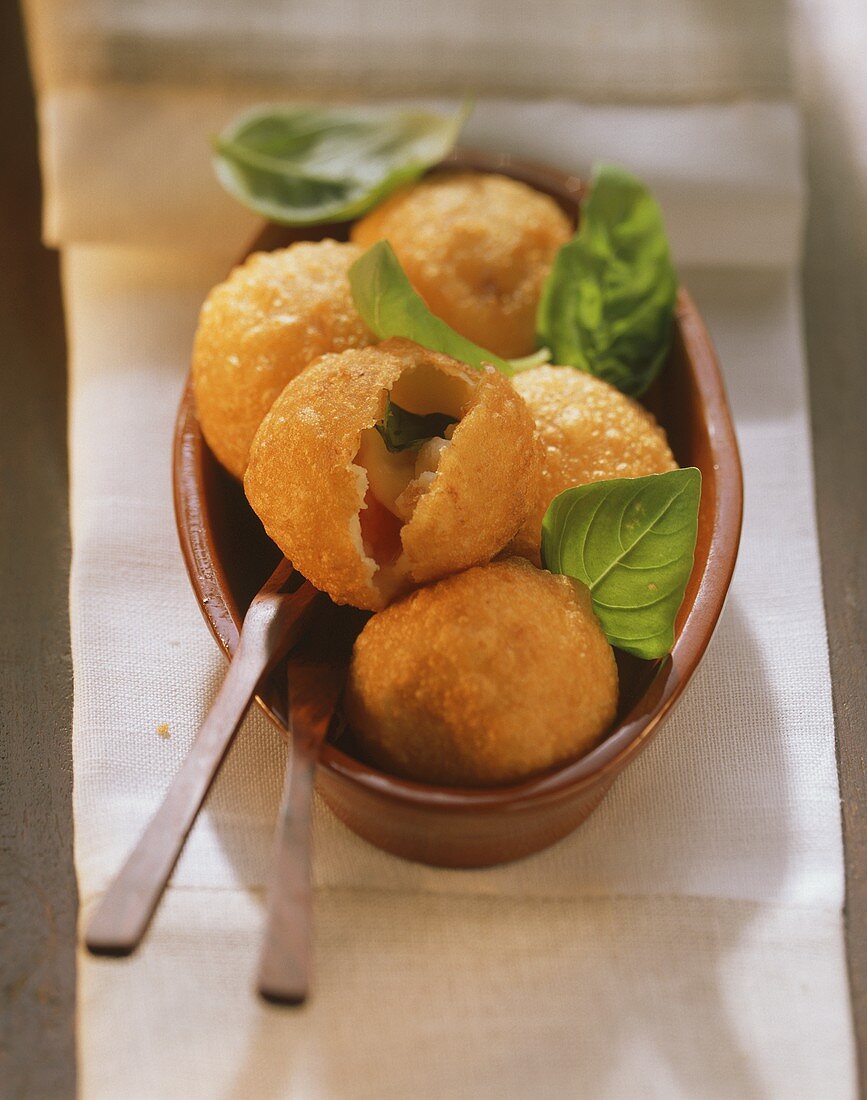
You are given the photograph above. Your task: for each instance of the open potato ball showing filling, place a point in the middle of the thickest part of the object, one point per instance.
(484, 678)
(269, 320)
(589, 431)
(477, 247)
(387, 467)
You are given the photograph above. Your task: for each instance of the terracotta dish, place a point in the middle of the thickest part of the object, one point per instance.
(229, 556)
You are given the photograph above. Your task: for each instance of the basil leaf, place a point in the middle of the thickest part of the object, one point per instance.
(389, 306)
(607, 305)
(404, 431)
(300, 165)
(632, 542)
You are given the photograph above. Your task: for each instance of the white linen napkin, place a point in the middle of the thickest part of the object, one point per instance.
(687, 940)
(693, 923)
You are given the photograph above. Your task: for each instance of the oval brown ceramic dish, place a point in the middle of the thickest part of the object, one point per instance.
(228, 557)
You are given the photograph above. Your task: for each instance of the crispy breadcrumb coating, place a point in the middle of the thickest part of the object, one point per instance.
(306, 482)
(589, 431)
(269, 320)
(477, 247)
(484, 678)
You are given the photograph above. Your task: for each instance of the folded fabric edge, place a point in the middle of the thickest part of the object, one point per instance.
(728, 177)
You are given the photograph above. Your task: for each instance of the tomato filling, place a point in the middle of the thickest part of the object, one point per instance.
(380, 531)
(400, 462)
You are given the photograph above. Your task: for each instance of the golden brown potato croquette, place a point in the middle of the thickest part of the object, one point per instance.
(477, 248)
(484, 678)
(269, 320)
(589, 431)
(363, 523)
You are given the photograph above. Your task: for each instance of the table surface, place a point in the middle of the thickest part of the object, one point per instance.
(37, 884)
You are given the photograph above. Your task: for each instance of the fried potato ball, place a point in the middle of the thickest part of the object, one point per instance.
(484, 678)
(477, 247)
(269, 320)
(589, 431)
(362, 522)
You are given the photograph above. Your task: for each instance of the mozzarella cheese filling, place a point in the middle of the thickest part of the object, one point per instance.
(397, 480)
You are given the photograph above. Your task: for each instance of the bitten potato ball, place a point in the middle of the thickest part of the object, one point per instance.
(477, 248)
(589, 431)
(364, 522)
(269, 320)
(484, 678)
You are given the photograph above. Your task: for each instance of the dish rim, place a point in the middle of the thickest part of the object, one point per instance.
(696, 621)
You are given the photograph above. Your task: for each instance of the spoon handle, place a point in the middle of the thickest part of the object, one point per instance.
(284, 962)
(285, 958)
(123, 914)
